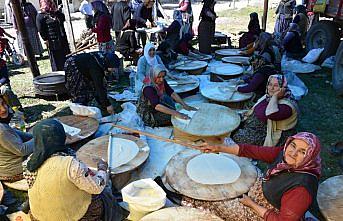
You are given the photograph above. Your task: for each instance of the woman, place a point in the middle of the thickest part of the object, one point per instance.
(50, 26)
(144, 17)
(85, 74)
(103, 24)
(14, 146)
(60, 186)
(146, 64)
(174, 30)
(185, 7)
(302, 20)
(127, 44)
(207, 26)
(292, 44)
(30, 15)
(254, 31)
(287, 190)
(284, 14)
(272, 118)
(120, 13)
(156, 104)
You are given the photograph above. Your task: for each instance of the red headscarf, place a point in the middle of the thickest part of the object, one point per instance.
(47, 6)
(312, 161)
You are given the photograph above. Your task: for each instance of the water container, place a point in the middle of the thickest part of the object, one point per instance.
(132, 81)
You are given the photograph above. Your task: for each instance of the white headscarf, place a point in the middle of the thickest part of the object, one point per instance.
(152, 61)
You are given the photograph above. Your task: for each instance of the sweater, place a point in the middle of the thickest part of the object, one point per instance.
(103, 28)
(120, 14)
(14, 146)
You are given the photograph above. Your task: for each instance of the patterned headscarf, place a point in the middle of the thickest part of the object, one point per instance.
(281, 79)
(258, 61)
(154, 74)
(312, 161)
(48, 6)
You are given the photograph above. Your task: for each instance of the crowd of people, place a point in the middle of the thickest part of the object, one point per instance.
(288, 187)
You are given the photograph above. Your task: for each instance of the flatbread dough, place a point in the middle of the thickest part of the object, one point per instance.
(224, 93)
(190, 65)
(122, 152)
(190, 114)
(227, 69)
(213, 169)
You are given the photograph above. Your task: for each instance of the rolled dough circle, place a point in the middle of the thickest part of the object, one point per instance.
(213, 169)
(123, 151)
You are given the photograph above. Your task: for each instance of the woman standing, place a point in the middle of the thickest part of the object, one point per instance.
(103, 25)
(156, 104)
(60, 186)
(30, 15)
(185, 7)
(288, 188)
(284, 13)
(207, 26)
(50, 26)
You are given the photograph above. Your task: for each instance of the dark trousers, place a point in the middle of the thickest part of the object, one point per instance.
(89, 21)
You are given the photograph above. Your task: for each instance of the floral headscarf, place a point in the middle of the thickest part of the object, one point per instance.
(281, 79)
(48, 6)
(153, 75)
(312, 161)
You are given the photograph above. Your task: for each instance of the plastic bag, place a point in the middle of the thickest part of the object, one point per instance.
(296, 66)
(143, 196)
(85, 111)
(313, 55)
(329, 62)
(296, 85)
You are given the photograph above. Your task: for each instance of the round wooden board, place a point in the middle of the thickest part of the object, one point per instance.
(191, 65)
(1, 192)
(18, 185)
(236, 60)
(228, 52)
(209, 120)
(195, 99)
(186, 84)
(97, 148)
(180, 213)
(227, 69)
(330, 198)
(178, 179)
(224, 93)
(87, 125)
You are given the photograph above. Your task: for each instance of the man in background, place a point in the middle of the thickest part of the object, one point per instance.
(87, 10)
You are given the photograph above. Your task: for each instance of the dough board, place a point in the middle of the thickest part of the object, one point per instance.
(122, 151)
(97, 148)
(203, 57)
(195, 99)
(87, 125)
(236, 60)
(213, 169)
(227, 70)
(228, 52)
(178, 179)
(209, 120)
(190, 65)
(185, 84)
(180, 213)
(330, 198)
(224, 93)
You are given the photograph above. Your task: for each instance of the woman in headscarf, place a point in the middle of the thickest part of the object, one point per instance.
(174, 30)
(254, 31)
(156, 104)
(272, 118)
(185, 7)
(288, 188)
(127, 44)
(60, 186)
(50, 26)
(207, 26)
(284, 13)
(302, 20)
(292, 44)
(15, 146)
(85, 75)
(30, 15)
(102, 27)
(146, 64)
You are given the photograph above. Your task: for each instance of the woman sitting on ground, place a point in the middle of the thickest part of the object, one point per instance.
(272, 118)
(156, 104)
(60, 186)
(254, 31)
(127, 44)
(85, 74)
(174, 30)
(292, 45)
(302, 20)
(14, 146)
(288, 188)
(146, 64)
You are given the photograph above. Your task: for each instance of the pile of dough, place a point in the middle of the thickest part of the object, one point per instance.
(213, 169)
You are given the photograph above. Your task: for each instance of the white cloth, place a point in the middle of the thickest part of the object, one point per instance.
(86, 8)
(152, 61)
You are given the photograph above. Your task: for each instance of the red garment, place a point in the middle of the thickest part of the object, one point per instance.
(295, 202)
(284, 112)
(103, 29)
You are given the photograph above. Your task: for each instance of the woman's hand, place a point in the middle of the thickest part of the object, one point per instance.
(110, 109)
(189, 108)
(247, 201)
(281, 93)
(206, 148)
(182, 116)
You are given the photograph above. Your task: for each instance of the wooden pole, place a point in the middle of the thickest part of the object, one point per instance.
(70, 31)
(18, 15)
(265, 15)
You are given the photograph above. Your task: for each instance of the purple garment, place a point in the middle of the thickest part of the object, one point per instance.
(284, 112)
(151, 94)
